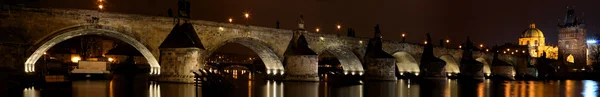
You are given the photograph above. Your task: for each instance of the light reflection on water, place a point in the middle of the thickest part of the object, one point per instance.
(400, 88)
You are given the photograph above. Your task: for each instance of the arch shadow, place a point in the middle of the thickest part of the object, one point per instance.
(451, 65)
(87, 29)
(486, 66)
(350, 62)
(267, 55)
(406, 63)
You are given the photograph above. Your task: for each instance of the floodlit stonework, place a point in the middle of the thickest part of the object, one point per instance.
(41, 27)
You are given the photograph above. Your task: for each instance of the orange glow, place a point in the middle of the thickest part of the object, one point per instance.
(317, 30)
(569, 88)
(403, 34)
(507, 90)
(339, 27)
(111, 59)
(247, 15)
(480, 90)
(425, 42)
(75, 59)
(230, 20)
(100, 6)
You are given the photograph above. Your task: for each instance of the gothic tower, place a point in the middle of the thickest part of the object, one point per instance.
(571, 39)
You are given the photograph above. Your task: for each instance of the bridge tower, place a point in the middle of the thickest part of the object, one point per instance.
(300, 62)
(181, 51)
(379, 65)
(571, 40)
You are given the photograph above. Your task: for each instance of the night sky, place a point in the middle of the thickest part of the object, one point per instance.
(486, 21)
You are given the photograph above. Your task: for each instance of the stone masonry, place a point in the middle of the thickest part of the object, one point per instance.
(39, 25)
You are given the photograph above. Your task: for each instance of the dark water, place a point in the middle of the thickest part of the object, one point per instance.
(267, 88)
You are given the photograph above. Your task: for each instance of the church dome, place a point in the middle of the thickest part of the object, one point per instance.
(532, 32)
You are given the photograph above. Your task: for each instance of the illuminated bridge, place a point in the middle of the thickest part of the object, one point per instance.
(44, 28)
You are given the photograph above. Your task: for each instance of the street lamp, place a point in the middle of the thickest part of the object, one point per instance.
(403, 36)
(100, 7)
(247, 16)
(481, 45)
(425, 42)
(230, 20)
(317, 29)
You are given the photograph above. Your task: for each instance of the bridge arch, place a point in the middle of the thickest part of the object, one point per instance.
(451, 65)
(350, 62)
(406, 62)
(267, 55)
(61, 35)
(486, 65)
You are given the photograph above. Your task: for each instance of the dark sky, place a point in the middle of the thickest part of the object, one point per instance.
(486, 21)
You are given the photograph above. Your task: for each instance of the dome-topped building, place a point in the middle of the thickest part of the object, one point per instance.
(536, 42)
(532, 32)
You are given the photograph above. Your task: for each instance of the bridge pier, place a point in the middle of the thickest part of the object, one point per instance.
(380, 68)
(177, 64)
(504, 71)
(302, 68)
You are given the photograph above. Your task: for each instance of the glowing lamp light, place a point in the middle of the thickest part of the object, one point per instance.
(487, 50)
(591, 41)
(345, 72)
(44, 53)
(360, 41)
(339, 27)
(405, 35)
(481, 45)
(460, 46)
(100, 6)
(247, 15)
(230, 20)
(321, 38)
(360, 73)
(268, 71)
(401, 73)
(425, 42)
(317, 30)
(111, 59)
(447, 41)
(449, 74)
(416, 74)
(221, 28)
(75, 59)
(487, 74)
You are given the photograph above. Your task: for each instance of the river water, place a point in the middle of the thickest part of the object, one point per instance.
(243, 87)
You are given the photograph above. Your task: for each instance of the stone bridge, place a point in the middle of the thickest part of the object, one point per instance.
(41, 29)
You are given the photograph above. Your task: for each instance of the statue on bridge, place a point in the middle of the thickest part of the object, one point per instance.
(469, 67)
(378, 64)
(431, 66)
(300, 62)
